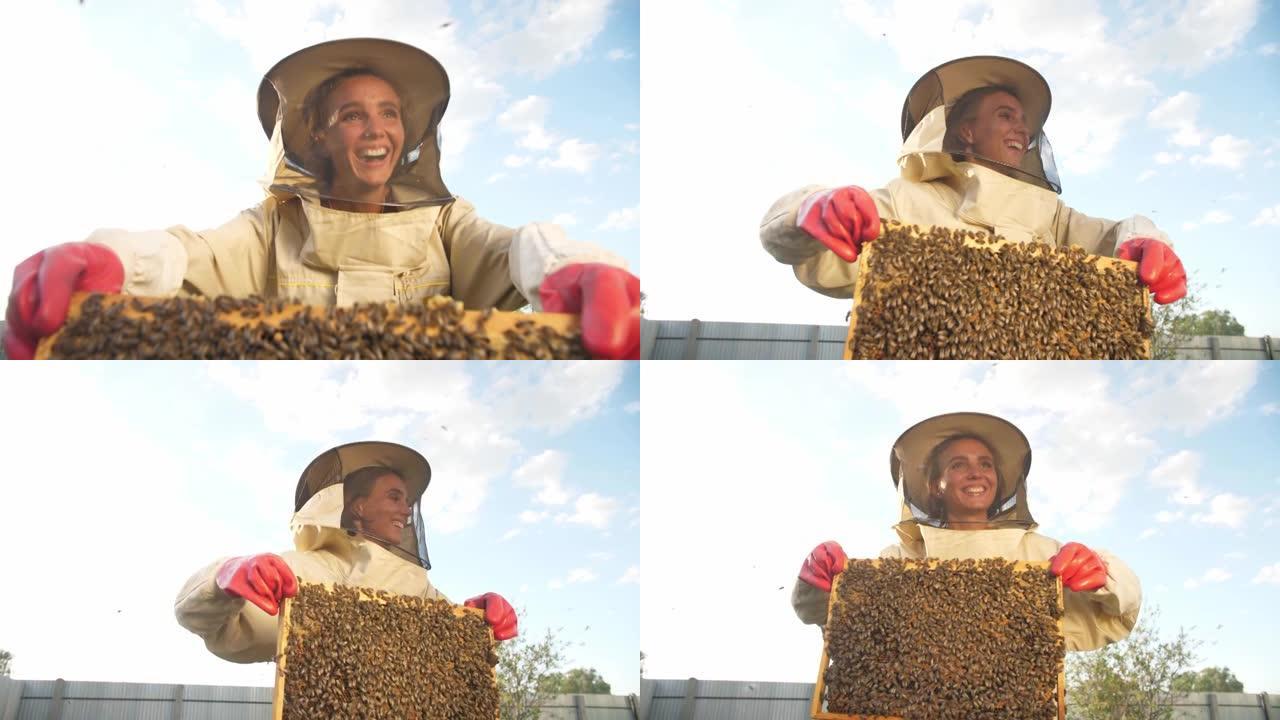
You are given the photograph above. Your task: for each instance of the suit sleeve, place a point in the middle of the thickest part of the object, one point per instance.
(1106, 615)
(814, 265)
(232, 628)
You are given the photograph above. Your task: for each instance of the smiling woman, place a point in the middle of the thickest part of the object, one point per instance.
(356, 212)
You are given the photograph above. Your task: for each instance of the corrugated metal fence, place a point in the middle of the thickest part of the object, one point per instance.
(695, 699)
(698, 340)
(79, 700)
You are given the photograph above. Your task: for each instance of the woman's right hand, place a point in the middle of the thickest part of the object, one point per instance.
(823, 564)
(42, 287)
(264, 580)
(842, 219)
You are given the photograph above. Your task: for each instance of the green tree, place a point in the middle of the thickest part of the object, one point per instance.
(1210, 679)
(5, 659)
(578, 680)
(1167, 319)
(523, 666)
(1209, 322)
(1132, 679)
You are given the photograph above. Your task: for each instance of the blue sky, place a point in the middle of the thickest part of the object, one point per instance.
(143, 115)
(1171, 469)
(138, 475)
(1166, 109)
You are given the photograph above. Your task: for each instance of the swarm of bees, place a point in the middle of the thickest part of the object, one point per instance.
(257, 329)
(938, 640)
(926, 294)
(385, 656)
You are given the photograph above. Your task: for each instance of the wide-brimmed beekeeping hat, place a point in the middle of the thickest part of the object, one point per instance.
(418, 78)
(931, 98)
(332, 466)
(909, 462)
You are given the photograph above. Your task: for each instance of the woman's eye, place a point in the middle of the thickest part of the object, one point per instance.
(351, 116)
(390, 114)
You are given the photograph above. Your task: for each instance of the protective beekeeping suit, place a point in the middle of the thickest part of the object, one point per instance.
(233, 603)
(356, 211)
(974, 157)
(1102, 596)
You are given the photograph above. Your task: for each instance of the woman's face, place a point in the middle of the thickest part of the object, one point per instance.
(363, 135)
(998, 131)
(968, 482)
(385, 511)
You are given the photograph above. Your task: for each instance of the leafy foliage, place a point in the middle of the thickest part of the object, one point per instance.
(6, 658)
(1209, 322)
(1210, 679)
(577, 680)
(1132, 679)
(523, 669)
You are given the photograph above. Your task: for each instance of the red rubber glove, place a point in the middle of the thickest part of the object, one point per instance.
(264, 580)
(823, 564)
(608, 299)
(1158, 267)
(42, 287)
(1079, 567)
(842, 219)
(497, 612)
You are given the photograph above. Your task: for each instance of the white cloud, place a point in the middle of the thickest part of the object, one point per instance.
(513, 532)
(622, 219)
(1165, 516)
(1225, 151)
(1267, 216)
(1236, 555)
(565, 219)
(1212, 575)
(495, 177)
(527, 117)
(555, 584)
(1270, 409)
(1178, 113)
(1269, 49)
(549, 35)
(632, 408)
(516, 161)
(1269, 574)
(543, 472)
(592, 510)
(1180, 473)
(1167, 158)
(580, 575)
(632, 575)
(620, 54)
(1149, 532)
(1225, 509)
(532, 516)
(1146, 175)
(633, 127)
(573, 154)
(1213, 217)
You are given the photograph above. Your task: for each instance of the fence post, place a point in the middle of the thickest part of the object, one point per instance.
(179, 694)
(1213, 706)
(580, 707)
(691, 340)
(1265, 702)
(688, 710)
(815, 334)
(14, 700)
(55, 703)
(1214, 352)
(648, 688)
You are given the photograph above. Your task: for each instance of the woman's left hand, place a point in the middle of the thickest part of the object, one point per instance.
(498, 613)
(1079, 567)
(1158, 267)
(607, 297)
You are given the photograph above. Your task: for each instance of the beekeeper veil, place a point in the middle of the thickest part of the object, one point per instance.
(948, 96)
(297, 112)
(321, 483)
(912, 458)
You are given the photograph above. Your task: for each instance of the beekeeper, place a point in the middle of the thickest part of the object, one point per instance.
(357, 523)
(974, 157)
(356, 211)
(963, 480)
